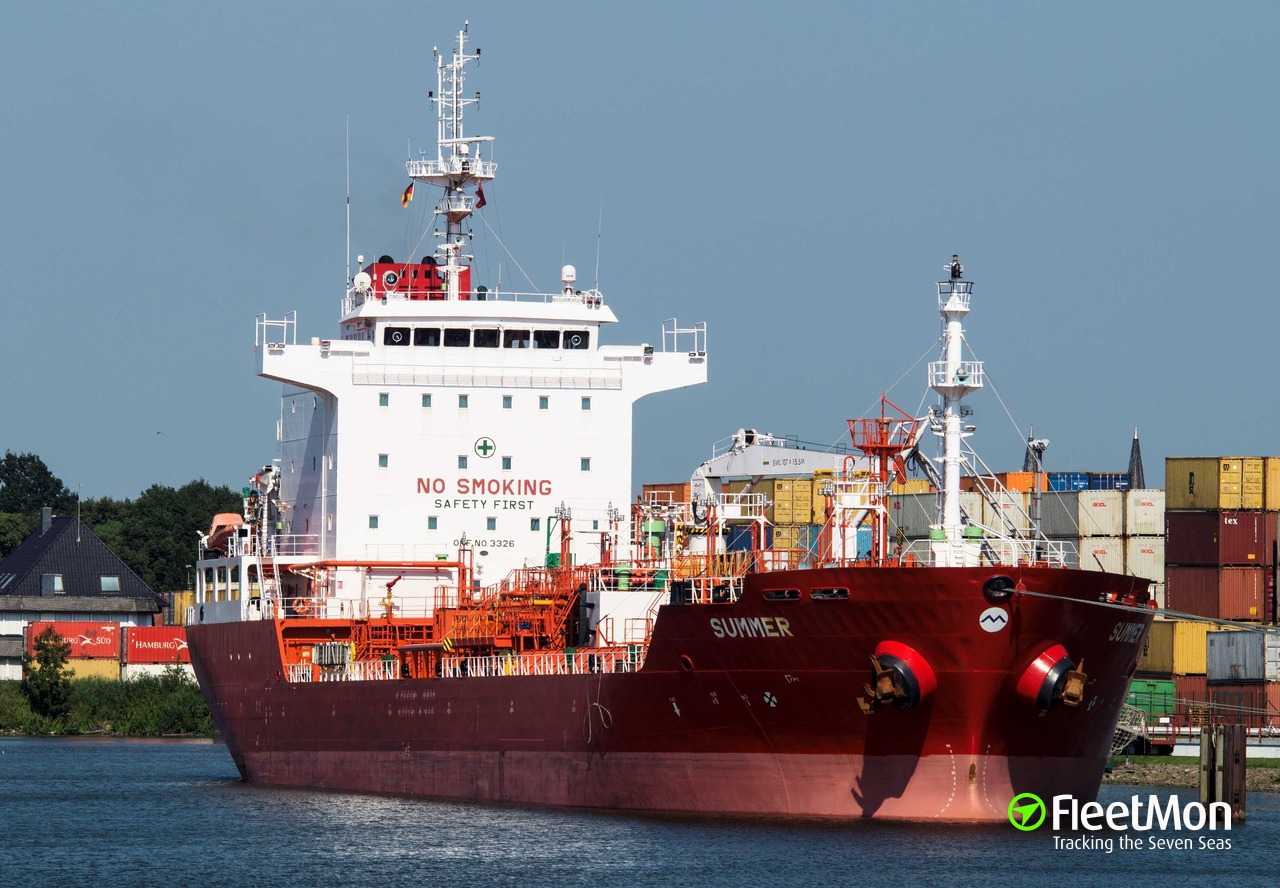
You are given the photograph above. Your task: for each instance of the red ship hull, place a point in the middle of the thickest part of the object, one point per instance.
(753, 707)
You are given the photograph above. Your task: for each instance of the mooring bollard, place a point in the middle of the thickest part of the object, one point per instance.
(1222, 767)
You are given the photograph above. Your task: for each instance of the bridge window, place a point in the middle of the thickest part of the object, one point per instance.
(781, 594)
(829, 594)
(464, 401)
(576, 338)
(462, 462)
(395, 336)
(426, 336)
(544, 402)
(506, 464)
(535, 524)
(431, 522)
(485, 338)
(586, 403)
(384, 400)
(373, 522)
(586, 464)
(546, 338)
(426, 400)
(382, 460)
(456, 338)
(491, 524)
(506, 402)
(515, 339)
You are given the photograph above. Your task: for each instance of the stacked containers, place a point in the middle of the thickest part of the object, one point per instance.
(1220, 556)
(95, 647)
(1220, 541)
(152, 650)
(1176, 650)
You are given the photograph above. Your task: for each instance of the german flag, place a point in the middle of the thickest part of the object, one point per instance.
(407, 196)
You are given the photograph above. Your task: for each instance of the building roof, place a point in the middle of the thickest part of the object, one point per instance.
(65, 560)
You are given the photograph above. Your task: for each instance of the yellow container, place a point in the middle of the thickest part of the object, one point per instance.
(1157, 650)
(911, 485)
(1190, 647)
(1271, 483)
(99, 668)
(786, 537)
(1227, 483)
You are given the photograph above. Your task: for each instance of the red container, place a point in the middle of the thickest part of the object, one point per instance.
(1192, 590)
(156, 644)
(1220, 538)
(1240, 593)
(89, 641)
(1191, 699)
(1239, 704)
(1269, 595)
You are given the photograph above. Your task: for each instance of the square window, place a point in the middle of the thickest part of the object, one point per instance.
(382, 460)
(426, 400)
(544, 402)
(595, 524)
(431, 522)
(506, 464)
(506, 402)
(384, 399)
(586, 464)
(51, 584)
(535, 524)
(586, 403)
(109, 584)
(462, 401)
(373, 522)
(491, 524)
(462, 462)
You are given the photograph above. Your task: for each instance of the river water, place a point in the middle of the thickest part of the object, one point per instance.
(175, 813)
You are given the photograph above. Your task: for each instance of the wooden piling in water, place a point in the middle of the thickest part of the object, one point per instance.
(1222, 767)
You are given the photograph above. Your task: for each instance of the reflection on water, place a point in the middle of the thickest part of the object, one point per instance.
(140, 812)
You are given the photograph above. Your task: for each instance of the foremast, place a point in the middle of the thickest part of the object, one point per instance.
(459, 162)
(953, 543)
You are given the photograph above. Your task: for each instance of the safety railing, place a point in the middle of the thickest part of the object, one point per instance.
(628, 659)
(361, 670)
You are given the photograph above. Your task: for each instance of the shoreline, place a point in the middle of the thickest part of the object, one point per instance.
(1185, 774)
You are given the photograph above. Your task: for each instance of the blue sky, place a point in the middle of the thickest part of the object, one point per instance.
(793, 174)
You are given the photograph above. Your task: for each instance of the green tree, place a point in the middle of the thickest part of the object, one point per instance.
(44, 676)
(26, 484)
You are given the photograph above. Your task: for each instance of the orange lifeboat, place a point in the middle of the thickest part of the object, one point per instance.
(221, 530)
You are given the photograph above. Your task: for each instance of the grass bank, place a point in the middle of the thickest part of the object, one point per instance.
(148, 706)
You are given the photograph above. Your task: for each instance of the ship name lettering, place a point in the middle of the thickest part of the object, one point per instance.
(751, 627)
(1127, 633)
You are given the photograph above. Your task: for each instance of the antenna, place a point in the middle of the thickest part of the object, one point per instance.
(599, 232)
(348, 122)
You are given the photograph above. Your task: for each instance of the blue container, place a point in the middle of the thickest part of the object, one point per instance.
(1108, 480)
(739, 539)
(1068, 481)
(864, 542)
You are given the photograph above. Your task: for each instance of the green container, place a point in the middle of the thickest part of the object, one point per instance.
(1154, 696)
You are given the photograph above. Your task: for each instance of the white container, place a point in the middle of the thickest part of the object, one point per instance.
(1102, 552)
(1060, 514)
(1101, 513)
(1008, 514)
(1144, 557)
(1144, 512)
(131, 671)
(1243, 656)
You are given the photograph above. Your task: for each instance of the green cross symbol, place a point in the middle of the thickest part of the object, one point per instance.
(485, 447)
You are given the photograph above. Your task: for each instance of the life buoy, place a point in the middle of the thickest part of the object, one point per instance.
(302, 606)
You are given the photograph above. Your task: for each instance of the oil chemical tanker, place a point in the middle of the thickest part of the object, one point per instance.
(441, 587)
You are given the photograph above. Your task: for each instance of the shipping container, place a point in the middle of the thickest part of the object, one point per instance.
(1240, 593)
(1154, 696)
(100, 667)
(1220, 538)
(1068, 481)
(1192, 704)
(1109, 481)
(1006, 513)
(87, 640)
(914, 512)
(1158, 596)
(1215, 483)
(1083, 513)
(1144, 557)
(1019, 482)
(130, 671)
(157, 644)
(666, 493)
(1239, 704)
(1271, 483)
(1192, 590)
(1157, 649)
(1243, 656)
(1102, 553)
(1144, 512)
(911, 485)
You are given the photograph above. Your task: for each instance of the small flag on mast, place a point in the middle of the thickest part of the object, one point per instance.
(407, 196)
(480, 195)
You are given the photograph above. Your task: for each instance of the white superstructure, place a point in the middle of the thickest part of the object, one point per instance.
(446, 415)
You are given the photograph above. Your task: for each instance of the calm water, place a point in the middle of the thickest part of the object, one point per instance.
(166, 813)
